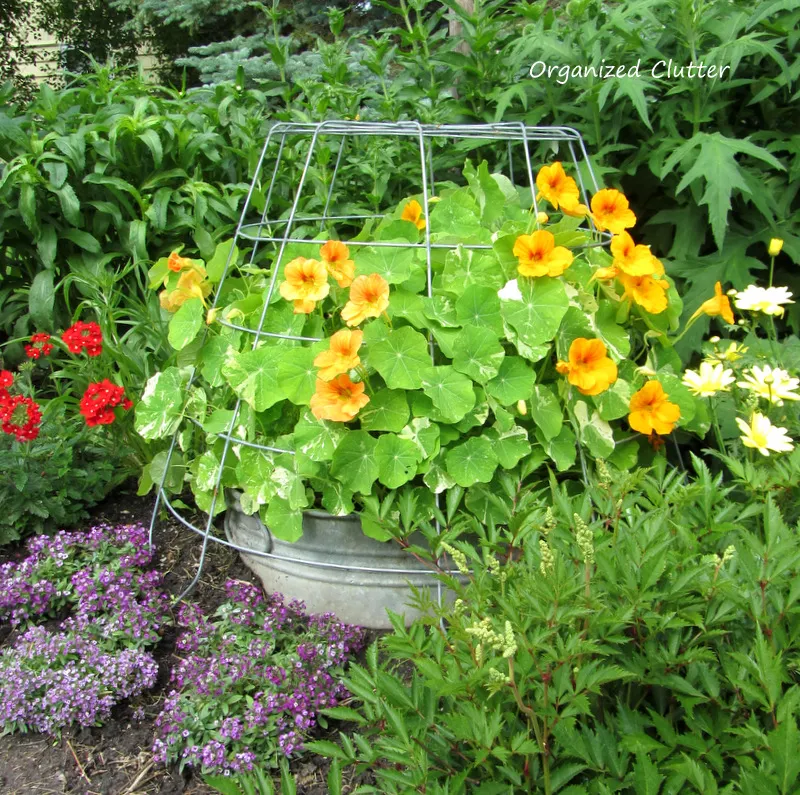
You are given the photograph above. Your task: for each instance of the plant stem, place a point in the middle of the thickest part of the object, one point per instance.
(717, 430)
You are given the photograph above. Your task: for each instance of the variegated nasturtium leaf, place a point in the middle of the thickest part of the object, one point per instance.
(533, 353)
(478, 353)
(480, 306)
(437, 478)
(513, 382)
(424, 434)
(441, 309)
(354, 462)
(546, 411)
(317, 438)
(205, 470)
(486, 190)
(289, 484)
(254, 474)
(185, 323)
(509, 446)
(537, 317)
(596, 433)
(281, 319)
(213, 355)
(175, 473)
(408, 306)
(196, 404)
(477, 415)
(297, 374)
(387, 410)
(562, 449)
(455, 218)
(283, 521)
(614, 403)
(468, 266)
(450, 391)
(446, 339)
(402, 358)
(473, 461)
(160, 409)
(253, 376)
(337, 499)
(393, 263)
(397, 460)
(574, 324)
(615, 337)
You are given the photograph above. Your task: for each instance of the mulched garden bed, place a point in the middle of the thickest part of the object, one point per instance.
(115, 759)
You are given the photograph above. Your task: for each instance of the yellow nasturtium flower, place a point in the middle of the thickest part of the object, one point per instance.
(610, 211)
(589, 368)
(651, 412)
(369, 297)
(538, 255)
(342, 356)
(413, 212)
(338, 400)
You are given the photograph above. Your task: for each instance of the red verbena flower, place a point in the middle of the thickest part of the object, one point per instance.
(20, 417)
(40, 346)
(6, 379)
(82, 335)
(97, 403)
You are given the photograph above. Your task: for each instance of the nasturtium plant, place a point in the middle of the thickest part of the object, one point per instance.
(371, 384)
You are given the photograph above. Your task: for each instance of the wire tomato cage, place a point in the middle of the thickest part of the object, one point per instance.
(289, 144)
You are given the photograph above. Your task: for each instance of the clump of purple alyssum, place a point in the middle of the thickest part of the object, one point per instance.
(50, 678)
(250, 681)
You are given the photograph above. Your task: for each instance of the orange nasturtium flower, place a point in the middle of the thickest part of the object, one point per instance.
(559, 189)
(413, 212)
(720, 304)
(369, 297)
(646, 292)
(177, 263)
(538, 255)
(651, 412)
(306, 282)
(588, 368)
(610, 211)
(336, 257)
(342, 355)
(338, 400)
(605, 274)
(191, 284)
(632, 259)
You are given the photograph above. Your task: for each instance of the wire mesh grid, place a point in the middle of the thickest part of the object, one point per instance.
(512, 141)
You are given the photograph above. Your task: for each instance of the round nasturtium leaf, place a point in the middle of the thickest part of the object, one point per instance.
(354, 462)
(297, 374)
(509, 446)
(424, 434)
(538, 315)
(185, 323)
(473, 461)
(397, 460)
(480, 306)
(317, 439)
(282, 520)
(387, 410)
(393, 263)
(547, 411)
(253, 376)
(160, 409)
(513, 382)
(254, 473)
(451, 392)
(478, 353)
(402, 358)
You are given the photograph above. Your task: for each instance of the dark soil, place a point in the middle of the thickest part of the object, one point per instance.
(115, 759)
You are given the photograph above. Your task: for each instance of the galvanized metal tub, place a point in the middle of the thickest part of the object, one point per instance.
(328, 567)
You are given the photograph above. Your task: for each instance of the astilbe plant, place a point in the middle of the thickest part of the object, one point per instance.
(250, 681)
(98, 656)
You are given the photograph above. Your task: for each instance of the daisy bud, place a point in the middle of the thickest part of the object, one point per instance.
(522, 407)
(543, 218)
(775, 246)
(713, 340)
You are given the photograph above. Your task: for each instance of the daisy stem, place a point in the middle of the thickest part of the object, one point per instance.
(771, 269)
(717, 430)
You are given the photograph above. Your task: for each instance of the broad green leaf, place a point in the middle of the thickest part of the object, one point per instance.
(387, 410)
(397, 460)
(537, 317)
(205, 471)
(437, 478)
(394, 263)
(317, 438)
(478, 353)
(253, 376)
(450, 391)
(297, 374)
(486, 191)
(402, 359)
(614, 403)
(215, 267)
(254, 475)
(546, 411)
(615, 337)
(514, 381)
(160, 409)
(455, 217)
(173, 481)
(473, 461)
(596, 433)
(41, 298)
(336, 498)
(408, 306)
(185, 323)
(464, 266)
(679, 394)
(216, 351)
(509, 446)
(283, 521)
(441, 309)
(480, 306)
(354, 462)
(563, 449)
(289, 485)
